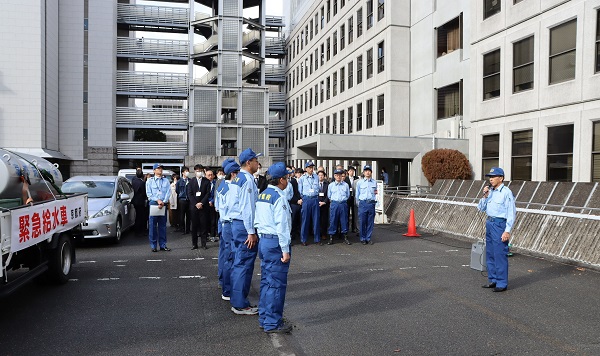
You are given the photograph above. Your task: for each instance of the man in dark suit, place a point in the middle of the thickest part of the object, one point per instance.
(184, 203)
(198, 192)
(260, 180)
(350, 180)
(296, 205)
(323, 204)
(140, 201)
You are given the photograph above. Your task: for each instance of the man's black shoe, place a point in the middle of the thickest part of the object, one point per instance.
(204, 247)
(499, 289)
(371, 242)
(304, 244)
(489, 285)
(165, 248)
(194, 247)
(363, 242)
(154, 250)
(330, 242)
(283, 329)
(320, 243)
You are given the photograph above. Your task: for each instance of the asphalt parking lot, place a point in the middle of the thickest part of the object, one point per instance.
(410, 296)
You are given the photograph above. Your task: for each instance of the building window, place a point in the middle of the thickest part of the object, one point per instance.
(334, 7)
(316, 58)
(522, 151)
(380, 10)
(359, 66)
(563, 40)
(316, 128)
(517, 1)
(311, 63)
(301, 106)
(334, 83)
(85, 97)
(306, 100)
(350, 119)
(343, 2)
(322, 53)
(369, 113)
(369, 63)
(449, 101)
(328, 48)
(302, 40)
(342, 79)
(328, 10)
(335, 43)
(380, 57)
(334, 130)
(560, 153)
(490, 7)
(359, 117)
(342, 37)
(491, 75)
(310, 129)
(597, 41)
(328, 81)
(351, 29)
(359, 22)
(321, 126)
(316, 24)
(311, 29)
(316, 94)
(310, 104)
(596, 153)
(327, 124)
(322, 91)
(369, 14)
(490, 156)
(449, 36)
(342, 122)
(380, 110)
(322, 17)
(523, 65)
(350, 74)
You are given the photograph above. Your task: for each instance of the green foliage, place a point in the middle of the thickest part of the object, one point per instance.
(149, 135)
(444, 163)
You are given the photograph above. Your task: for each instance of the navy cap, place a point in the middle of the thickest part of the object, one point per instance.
(157, 165)
(226, 162)
(367, 167)
(495, 172)
(309, 164)
(247, 155)
(231, 167)
(278, 170)
(338, 171)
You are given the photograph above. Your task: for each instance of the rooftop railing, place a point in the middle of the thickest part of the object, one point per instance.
(127, 117)
(148, 47)
(138, 14)
(141, 83)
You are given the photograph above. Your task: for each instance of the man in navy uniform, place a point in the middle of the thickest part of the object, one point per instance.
(296, 204)
(499, 205)
(351, 181)
(308, 186)
(366, 194)
(244, 240)
(338, 194)
(273, 223)
(184, 202)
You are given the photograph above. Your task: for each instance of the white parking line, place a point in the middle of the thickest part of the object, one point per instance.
(121, 261)
(74, 280)
(466, 265)
(376, 269)
(120, 265)
(407, 268)
(190, 277)
(451, 250)
(215, 258)
(154, 260)
(86, 261)
(426, 251)
(149, 277)
(399, 252)
(192, 259)
(108, 279)
(343, 254)
(440, 266)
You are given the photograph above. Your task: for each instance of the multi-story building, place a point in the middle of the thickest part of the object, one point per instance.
(71, 91)
(536, 104)
(366, 81)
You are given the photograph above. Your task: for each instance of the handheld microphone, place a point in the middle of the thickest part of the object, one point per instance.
(489, 187)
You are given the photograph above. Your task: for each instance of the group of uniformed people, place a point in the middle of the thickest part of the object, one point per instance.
(253, 223)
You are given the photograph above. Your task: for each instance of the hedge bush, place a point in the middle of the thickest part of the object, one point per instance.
(444, 163)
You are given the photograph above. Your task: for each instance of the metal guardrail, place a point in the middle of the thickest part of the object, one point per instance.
(274, 72)
(275, 45)
(250, 67)
(129, 13)
(127, 117)
(249, 37)
(277, 101)
(148, 47)
(152, 83)
(274, 21)
(139, 149)
(201, 16)
(277, 153)
(206, 45)
(276, 128)
(207, 78)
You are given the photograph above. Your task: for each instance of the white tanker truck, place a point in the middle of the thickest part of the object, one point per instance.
(37, 221)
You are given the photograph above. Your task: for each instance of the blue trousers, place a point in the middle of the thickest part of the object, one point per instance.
(338, 214)
(310, 218)
(225, 258)
(243, 265)
(157, 229)
(366, 216)
(273, 283)
(496, 253)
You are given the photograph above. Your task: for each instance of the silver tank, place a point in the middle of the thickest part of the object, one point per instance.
(15, 164)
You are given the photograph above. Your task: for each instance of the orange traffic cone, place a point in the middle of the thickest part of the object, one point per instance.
(412, 225)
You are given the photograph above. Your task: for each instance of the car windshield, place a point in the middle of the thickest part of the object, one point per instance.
(93, 189)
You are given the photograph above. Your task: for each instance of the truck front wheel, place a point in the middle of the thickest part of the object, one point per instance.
(59, 263)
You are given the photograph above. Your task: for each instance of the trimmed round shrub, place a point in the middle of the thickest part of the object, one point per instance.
(444, 163)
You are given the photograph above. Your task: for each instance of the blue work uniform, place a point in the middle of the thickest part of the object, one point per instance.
(273, 222)
(225, 253)
(501, 211)
(288, 192)
(338, 194)
(158, 189)
(242, 207)
(366, 193)
(308, 186)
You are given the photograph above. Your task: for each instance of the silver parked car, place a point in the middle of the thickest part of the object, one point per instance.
(109, 205)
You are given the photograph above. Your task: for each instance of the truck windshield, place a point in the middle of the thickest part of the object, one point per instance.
(93, 189)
